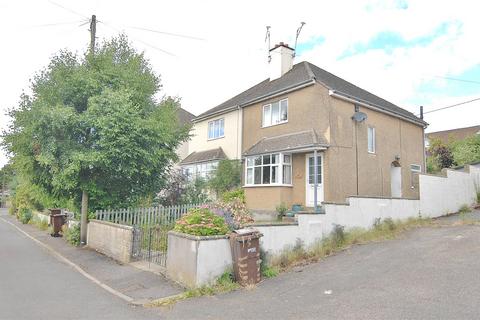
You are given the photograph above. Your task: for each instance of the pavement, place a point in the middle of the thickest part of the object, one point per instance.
(427, 273)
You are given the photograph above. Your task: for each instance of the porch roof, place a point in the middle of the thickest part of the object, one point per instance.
(204, 156)
(304, 140)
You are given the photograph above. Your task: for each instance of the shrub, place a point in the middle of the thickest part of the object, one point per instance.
(464, 209)
(201, 222)
(72, 235)
(235, 213)
(236, 194)
(226, 177)
(337, 236)
(281, 209)
(25, 215)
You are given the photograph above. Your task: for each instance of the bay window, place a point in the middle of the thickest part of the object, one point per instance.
(275, 113)
(269, 169)
(200, 170)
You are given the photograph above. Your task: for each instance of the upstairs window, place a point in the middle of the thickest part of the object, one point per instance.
(216, 129)
(371, 139)
(275, 113)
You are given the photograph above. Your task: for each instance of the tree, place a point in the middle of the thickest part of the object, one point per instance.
(466, 151)
(226, 177)
(441, 156)
(92, 130)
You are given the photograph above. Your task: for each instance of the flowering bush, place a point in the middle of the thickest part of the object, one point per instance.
(234, 212)
(201, 222)
(231, 195)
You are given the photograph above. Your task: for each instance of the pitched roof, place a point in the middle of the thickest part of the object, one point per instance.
(287, 142)
(455, 134)
(204, 156)
(184, 117)
(301, 74)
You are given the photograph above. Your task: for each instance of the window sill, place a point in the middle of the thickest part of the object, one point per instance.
(211, 139)
(276, 124)
(267, 185)
(372, 153)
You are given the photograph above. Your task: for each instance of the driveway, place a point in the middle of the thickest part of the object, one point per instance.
(428, 273)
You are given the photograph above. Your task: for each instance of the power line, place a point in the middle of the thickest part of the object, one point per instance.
(453, 105)
(56, 24)
(167, 33)
(136, 39)
(68, 9)
(456, 79)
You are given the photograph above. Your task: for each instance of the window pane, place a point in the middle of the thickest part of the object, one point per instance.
(275, 173)
(275, 158)
(221, 130)
(250, 176)
(217, 129)
(249, 162)
(286, 158)
(258, 161)
(266, 159)
(287, 174)
(210, 130)
(266, 175)
(267, 115)
(258, 175)
(275, 113)
(284, 110)
(371, 139)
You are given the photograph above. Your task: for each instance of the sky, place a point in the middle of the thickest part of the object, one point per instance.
(411, 53)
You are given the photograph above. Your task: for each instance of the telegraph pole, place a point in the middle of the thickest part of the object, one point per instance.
(84, 207)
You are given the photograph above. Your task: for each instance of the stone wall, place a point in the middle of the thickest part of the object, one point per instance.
(111, 239)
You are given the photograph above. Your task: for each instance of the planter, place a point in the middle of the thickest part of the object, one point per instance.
(194, 261)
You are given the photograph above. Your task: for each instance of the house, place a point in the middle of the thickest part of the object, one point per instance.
(184, 118)
(307, 136)
(447, 136)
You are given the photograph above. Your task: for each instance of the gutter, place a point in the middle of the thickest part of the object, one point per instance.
(340, 95)
(273, 94)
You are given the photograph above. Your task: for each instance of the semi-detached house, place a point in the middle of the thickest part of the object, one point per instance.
(306, 136)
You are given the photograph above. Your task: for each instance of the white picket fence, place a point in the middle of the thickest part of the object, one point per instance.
(145, 216)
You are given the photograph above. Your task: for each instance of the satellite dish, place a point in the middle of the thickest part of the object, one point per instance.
(359, 116)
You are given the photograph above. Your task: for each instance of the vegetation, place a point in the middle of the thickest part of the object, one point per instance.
(467, 150)
(92, 128)
(39, 223)
(454, 153)
(72, 234)
(281, 210)
(339, 240)
(25, 215)
(201, 222)
(225, 283)
(235, 194)
(226, 177)
(235, 213)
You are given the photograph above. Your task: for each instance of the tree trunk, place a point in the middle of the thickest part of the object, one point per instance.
(83, 218)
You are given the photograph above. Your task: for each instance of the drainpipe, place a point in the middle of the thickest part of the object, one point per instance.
(315, 181)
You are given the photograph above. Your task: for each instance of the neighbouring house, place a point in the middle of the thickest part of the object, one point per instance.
(307, 136)
(184, 118)
(448, 136)
(215, 136)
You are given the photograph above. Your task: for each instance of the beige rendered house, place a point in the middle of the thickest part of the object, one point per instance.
(308, 136)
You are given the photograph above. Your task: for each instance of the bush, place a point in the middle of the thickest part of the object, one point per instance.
(337, 236)
(201, 222)
(25, 215)
(226, 177)
(236, 194)
(72, 235)
(235, 213)
(281, 209)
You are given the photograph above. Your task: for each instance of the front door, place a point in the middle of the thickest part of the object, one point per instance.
(309, 165)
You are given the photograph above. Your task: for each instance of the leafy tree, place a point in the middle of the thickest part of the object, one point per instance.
(226, 177)
(92, 130)
(467, 150)
(441, 156)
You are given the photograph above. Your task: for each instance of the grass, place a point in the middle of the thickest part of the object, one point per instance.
(39, 223)
(225, 283)
(340, 239)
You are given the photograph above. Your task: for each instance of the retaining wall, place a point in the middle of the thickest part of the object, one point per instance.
(111, 239)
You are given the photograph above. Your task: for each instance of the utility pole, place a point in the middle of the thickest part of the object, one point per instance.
(84, 207)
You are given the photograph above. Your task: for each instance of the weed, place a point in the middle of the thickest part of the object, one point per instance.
(25, 215)
(72, 235)
(478, 197)
(224, 283)
(464, 210)
(281, 210)
(270, 272)
(39, 223)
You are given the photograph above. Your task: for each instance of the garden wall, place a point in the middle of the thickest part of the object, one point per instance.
(111, 239)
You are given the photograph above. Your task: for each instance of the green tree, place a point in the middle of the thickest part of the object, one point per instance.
(226, 177)
(92, 130)
(467, 150)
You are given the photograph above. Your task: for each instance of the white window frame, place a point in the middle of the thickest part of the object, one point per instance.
(270, 122)
(196, 170)
(371, 131)
(213, 123)
(281, 165)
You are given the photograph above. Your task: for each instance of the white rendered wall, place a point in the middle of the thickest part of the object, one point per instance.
(231, 143)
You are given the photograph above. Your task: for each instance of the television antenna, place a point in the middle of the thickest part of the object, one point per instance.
(299, 29)
(267, 39)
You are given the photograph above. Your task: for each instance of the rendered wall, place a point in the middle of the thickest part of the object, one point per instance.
(111, 239)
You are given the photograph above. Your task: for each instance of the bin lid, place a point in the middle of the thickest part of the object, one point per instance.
(244, 231)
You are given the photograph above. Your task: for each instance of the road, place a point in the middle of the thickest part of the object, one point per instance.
(427, 273)
(35, 285)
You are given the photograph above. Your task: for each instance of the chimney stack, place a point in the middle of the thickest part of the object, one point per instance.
(281, 60)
